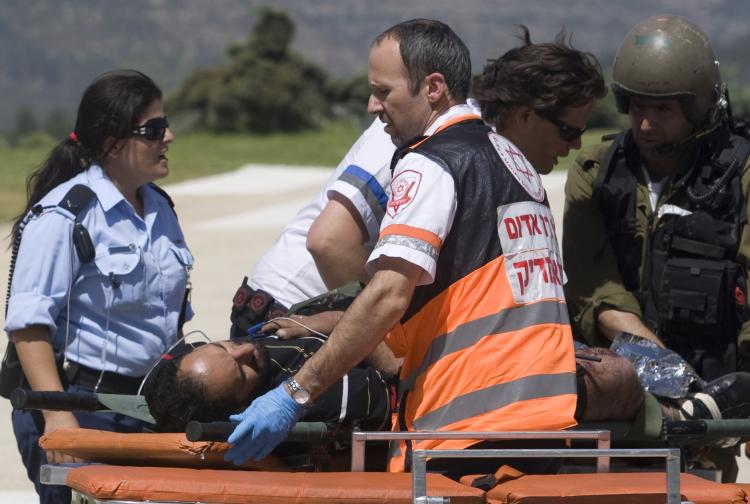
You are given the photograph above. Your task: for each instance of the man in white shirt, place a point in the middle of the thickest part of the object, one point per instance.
(327, 243)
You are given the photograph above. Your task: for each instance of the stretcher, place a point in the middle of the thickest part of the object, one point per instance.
(647, 429)
(120, 485)
(111, 484)
(116, 478)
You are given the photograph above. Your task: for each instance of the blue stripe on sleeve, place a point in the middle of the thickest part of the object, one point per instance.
(371, 181)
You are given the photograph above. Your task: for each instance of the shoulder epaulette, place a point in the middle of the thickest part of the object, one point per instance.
(78, 198)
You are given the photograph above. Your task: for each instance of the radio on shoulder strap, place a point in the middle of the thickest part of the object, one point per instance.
(77, 199)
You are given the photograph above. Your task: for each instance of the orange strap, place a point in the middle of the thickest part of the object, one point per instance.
(447, 124)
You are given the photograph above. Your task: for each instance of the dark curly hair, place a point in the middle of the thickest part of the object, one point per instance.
(175, 398)
(547, 78)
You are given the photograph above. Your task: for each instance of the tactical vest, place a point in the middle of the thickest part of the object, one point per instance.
(487, 345)
(691, 288)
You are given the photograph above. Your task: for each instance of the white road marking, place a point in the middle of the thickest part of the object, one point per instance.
(273, 216)
(254, 179)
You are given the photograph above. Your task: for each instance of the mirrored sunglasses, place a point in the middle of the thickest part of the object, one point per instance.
(567, 132)
(153, 129)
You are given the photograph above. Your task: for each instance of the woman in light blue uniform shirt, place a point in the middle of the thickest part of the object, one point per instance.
(97, 325)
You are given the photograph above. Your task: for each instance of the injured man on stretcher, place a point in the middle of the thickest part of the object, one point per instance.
(611, 383)
(214, 380)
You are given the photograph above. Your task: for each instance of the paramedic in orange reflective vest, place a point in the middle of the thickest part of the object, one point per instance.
(466, 275)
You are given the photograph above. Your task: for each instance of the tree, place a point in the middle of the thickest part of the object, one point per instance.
(272, 35)
(24, 124)
(264, 88)
(350, 96)
(58, 124)
(191, 102)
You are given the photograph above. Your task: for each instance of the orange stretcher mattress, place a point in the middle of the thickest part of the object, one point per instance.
(151, 449)
(234, 487)
(612, 488)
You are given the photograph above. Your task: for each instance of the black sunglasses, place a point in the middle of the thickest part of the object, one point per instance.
(567, 132)
(153, 129)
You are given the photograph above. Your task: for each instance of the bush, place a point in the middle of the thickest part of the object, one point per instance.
(58, 123)
(36, 140)
(740, 98)
(23, 124)
(350, 96)
(605, 114)
(264, 88)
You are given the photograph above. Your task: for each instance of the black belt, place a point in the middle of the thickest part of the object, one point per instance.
(112, 383)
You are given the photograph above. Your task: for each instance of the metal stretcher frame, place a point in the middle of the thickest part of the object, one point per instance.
(79, 498)
(602, 437)
(419, 464)
(602, 453)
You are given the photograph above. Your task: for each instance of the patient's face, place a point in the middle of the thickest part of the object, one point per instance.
(230, 370)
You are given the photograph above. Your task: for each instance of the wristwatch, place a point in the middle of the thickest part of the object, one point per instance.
(298, 393)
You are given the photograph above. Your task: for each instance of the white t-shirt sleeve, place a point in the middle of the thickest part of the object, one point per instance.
(418, 216)
(367, 192)
(366, 176)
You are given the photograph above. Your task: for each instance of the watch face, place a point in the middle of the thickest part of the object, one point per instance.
(301, 396)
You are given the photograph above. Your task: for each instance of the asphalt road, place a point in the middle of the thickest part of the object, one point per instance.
(229, 221)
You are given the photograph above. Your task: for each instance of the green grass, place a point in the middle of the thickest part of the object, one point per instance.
(17, 163)
(195, 154)
(199, 154)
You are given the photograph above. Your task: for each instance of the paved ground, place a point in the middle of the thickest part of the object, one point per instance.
(229, 221)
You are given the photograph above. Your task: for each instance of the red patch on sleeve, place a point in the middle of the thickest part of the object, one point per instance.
(403, 191)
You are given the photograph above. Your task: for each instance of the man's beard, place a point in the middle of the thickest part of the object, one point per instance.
(263, 367)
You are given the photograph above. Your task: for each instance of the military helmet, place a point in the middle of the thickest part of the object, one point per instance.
(668, 57)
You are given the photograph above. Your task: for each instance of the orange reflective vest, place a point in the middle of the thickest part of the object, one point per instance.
(487, 346)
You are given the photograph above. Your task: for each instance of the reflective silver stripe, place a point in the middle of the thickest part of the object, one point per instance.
(344, 397)
(466, 335)
(495, 397)
(409, 242)
(370, 198)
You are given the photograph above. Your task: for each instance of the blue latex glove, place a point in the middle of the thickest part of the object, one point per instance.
(262, 426)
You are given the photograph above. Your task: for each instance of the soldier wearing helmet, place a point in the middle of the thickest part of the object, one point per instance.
(667, 57)
(655, 240)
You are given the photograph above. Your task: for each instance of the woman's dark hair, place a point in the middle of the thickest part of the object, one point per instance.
(110, 108)
(547, 78)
